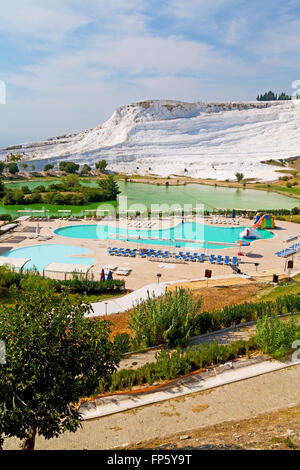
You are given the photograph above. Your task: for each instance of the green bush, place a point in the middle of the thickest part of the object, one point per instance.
(76, 285)
(122, 342)
(248, 311)
(6, 217)
(170, 365)
(274, 336)
(169, 319)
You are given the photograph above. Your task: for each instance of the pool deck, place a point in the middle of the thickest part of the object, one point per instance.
(144, 272)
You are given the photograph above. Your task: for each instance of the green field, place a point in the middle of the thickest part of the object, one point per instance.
(53, 209)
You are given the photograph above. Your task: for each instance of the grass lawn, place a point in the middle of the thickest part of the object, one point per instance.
(53, 209)
(272, 293)
(288, 218)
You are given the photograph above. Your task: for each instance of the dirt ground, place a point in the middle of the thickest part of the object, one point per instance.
(279, 430)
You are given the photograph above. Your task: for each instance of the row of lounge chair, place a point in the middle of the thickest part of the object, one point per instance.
(166, 256)
(40, 238)
(289, 251)
(120, 271)
(139, 224)
(225, 221)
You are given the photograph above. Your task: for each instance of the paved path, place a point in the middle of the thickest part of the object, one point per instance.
(127, 302)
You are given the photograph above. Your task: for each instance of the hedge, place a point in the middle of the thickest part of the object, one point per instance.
(76, 285)
(170, 365)
(233, 315)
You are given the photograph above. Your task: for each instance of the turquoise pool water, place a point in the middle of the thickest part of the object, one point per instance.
(42, 255)
(184, 231)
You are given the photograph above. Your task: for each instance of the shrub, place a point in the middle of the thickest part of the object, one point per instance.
(276, 337)
(169, 319)
(5, 217)
(170, 365)
(76, 285)
(122, 342)
(248, 311)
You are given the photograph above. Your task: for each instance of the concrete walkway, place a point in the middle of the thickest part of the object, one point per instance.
(222, 375)
(127, 302)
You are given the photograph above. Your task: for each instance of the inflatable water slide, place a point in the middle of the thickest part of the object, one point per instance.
(264, 221)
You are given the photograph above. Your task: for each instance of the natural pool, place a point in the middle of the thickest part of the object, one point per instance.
(185, 232)
(42, 255)
(148, 194)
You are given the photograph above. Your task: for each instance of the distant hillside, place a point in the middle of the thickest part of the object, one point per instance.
(167, 138)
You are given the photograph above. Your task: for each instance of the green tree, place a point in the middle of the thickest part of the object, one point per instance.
(2, 167)
(48, 167)
(271, 96)
(9, 198)
(71, 181)
(110, 187)
(34, 198)
(102, 165)
(69, 167)
(12, 168)
(19, 197)
(2, 188)
(14, 158)
(54, 357)
(24, 166)
(85, 170)
(239, 177)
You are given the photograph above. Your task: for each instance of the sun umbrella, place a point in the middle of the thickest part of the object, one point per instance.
(38, 229)
(243, 243)
(102, 279)
(233, 214)
(110, 276)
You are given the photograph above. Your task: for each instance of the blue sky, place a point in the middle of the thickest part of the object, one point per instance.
(68, 64)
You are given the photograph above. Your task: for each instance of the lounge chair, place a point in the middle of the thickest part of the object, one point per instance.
(123, 272)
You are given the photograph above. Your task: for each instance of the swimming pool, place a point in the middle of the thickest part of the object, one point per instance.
(42, 255)
(185, 232)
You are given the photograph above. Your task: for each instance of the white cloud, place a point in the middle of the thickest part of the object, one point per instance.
(95, 55)
(197, 10)
(46, 20)
(236, 30)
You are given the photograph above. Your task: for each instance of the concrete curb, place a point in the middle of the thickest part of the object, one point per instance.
(193, 384)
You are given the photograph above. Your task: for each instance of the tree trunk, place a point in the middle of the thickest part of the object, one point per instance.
(29, 442)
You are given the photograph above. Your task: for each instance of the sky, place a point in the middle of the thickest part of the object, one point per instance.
(68, 64)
